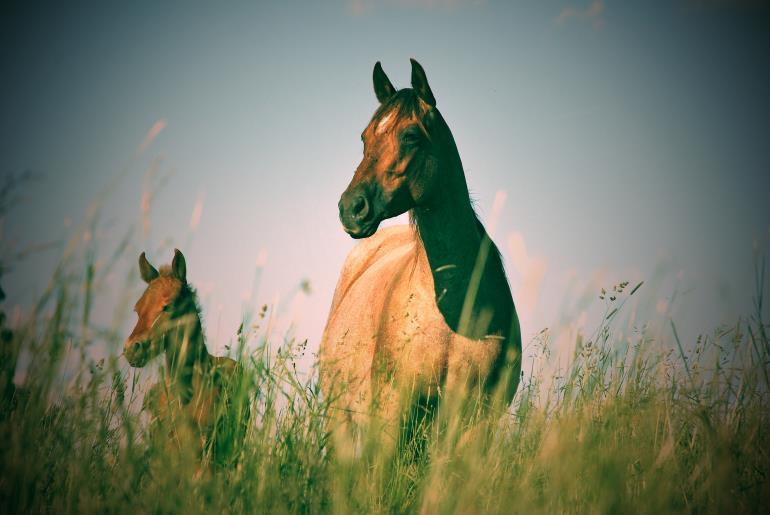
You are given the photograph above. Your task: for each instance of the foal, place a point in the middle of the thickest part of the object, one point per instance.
(200, 395)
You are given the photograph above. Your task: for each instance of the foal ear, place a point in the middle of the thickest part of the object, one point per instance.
(146, 270)
(179, 266)
(420, 84)
(382, 86)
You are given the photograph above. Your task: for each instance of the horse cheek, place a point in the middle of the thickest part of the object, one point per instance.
(421, 183)
(417, 191)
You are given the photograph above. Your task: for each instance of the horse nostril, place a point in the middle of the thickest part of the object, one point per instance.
(359, 208)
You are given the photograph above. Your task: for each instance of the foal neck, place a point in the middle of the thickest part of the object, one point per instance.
(185, 344)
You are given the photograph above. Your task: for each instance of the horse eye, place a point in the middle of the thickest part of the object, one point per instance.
(410, 137)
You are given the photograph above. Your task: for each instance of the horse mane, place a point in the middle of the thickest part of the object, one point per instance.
(479, 226)
(189, 293)
(409, 101)
(188, 296)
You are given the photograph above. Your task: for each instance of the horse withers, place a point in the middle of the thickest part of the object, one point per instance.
(201, 400)
(423, 311)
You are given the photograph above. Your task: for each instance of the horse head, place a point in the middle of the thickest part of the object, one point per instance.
(403, 146)
(160, 306)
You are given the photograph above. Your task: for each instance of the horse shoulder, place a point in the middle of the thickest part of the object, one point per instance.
(365, 254)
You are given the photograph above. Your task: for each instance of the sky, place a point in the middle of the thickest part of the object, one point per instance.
(602, 141)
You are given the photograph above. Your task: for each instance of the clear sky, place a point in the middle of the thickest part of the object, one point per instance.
(617, 137)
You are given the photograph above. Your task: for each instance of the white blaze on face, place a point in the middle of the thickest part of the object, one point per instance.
(386, 122)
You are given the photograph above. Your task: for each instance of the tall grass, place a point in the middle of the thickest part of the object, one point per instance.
(649, 427)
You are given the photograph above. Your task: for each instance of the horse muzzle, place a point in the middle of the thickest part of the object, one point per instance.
(137, 353)
(358, 214)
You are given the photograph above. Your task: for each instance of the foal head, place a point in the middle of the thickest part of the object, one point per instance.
(403, 143)
(165, 310)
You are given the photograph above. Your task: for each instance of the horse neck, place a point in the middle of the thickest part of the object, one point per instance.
(186, 346)
(453, 239)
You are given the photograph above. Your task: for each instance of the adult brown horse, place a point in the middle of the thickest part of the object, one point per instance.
(423, 309)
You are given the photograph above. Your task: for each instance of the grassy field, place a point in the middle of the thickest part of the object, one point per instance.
(648, 427)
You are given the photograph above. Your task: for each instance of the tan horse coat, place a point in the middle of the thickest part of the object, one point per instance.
(385, 332)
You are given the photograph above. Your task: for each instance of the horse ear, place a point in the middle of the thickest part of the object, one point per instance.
(382, 86)
(179, 266)
(420, 84)
(146, 270)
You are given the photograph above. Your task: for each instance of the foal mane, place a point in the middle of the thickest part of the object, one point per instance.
(187, 300)
(190, 296)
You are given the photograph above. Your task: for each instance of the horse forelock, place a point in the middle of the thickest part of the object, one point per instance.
(161, 290)
(404, 104)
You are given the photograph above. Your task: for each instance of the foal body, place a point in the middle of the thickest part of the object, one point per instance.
(200, 396)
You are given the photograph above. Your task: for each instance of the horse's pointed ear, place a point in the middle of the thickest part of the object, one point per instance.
(382, 86)
(179, 266)
(146, 270)
(420, 84)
